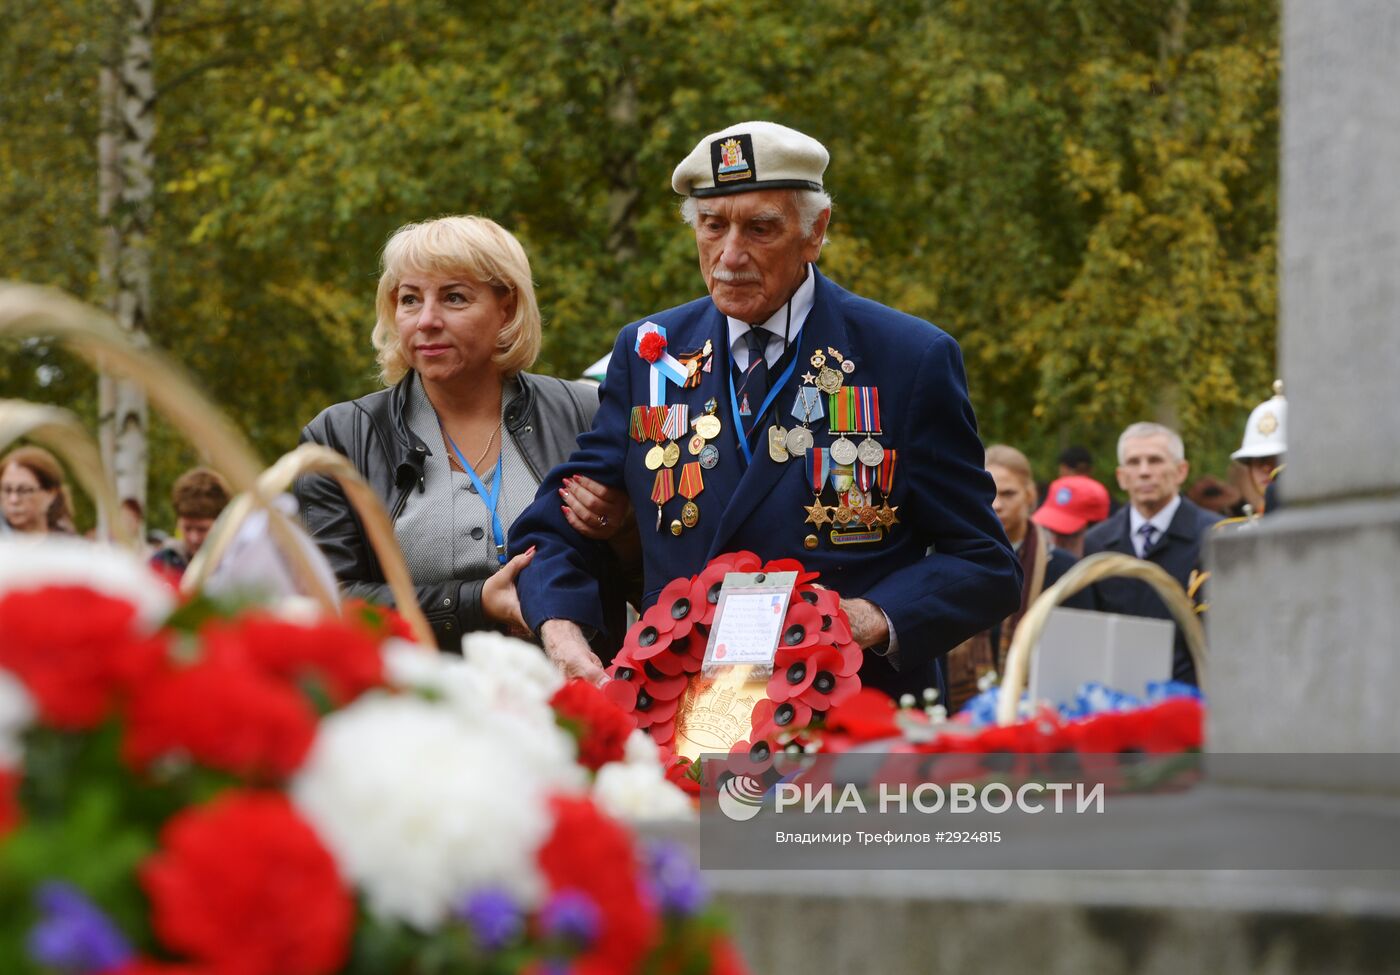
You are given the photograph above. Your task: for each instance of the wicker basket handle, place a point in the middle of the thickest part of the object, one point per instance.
(1096, 568)
(316, 459)
(61, 431)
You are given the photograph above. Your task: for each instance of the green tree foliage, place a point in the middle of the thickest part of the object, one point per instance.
(1082, 191)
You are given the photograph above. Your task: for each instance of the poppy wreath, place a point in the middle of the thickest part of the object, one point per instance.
(816, 667)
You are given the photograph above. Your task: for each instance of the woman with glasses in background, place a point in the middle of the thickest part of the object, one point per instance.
(33, 497)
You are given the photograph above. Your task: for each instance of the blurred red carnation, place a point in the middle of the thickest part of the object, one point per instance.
(245, 886)
(76, 650)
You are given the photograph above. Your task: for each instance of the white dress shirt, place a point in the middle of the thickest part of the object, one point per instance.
(778, 325)
(1161, 521)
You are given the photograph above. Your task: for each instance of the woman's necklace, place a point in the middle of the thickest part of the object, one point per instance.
(489, 441)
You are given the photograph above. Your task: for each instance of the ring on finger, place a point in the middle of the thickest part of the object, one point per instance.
(602, 521)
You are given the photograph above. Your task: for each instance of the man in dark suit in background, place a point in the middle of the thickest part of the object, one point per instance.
(1157, 524)
(733, 423)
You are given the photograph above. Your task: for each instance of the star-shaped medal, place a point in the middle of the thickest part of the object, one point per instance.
(888, 516)
(817, 513)
(808, 378)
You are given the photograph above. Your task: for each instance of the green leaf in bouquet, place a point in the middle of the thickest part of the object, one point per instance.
(200, 609)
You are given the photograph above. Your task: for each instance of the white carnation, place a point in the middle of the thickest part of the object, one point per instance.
(64, 561)
(639, 791)
(420, 808)
(513, 669)
(641, 749)
(16, 713)
(501, 689)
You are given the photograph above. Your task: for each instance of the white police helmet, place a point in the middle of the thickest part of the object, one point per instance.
(1264, 433)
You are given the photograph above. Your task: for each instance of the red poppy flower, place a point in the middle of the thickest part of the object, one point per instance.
(791, 565)
(802, 627)
(651, 711)
(867, 716)
(245, 886)
(828, 688)
(341, 658)
(663, 733)
(683, 656)
(704, 590)
(852, 656)
(645, 639)
(225, 717)
(76, 650)
(674, 611)
(651, 346)
(622, 693)
(771, 720)
(597, 723)
(752, 757)
(589, 853)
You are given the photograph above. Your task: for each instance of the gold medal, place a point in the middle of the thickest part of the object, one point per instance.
(817, 513)
(671, 454)
(697, 444)
(654, 457)
(708, 426)
(676, 528)
(845, 515)
(829, 380)
(777, 444)
(690, 514)
(869, 516)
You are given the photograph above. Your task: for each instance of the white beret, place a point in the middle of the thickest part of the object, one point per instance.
(751, 156)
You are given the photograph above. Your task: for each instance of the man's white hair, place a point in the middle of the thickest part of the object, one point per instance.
(1138, 431)
(809, 203)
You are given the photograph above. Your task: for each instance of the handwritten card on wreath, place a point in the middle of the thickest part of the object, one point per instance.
(749, 618)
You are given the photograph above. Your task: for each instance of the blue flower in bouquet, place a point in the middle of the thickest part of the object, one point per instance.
(1164, 690)
(1096, 698)
(981, 711)
(494, 918)
(571, 915)
(675, 880)
(73, 935)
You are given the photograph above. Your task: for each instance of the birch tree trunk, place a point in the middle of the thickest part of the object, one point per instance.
(125, 209)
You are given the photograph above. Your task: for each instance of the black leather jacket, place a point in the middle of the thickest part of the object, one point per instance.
(544, 420)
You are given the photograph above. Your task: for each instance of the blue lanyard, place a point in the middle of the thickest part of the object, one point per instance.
(487, 498)
(744, 447)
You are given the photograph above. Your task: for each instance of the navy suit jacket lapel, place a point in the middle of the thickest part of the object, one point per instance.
(823, 328)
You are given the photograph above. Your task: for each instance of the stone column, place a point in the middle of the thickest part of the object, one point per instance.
(1304, 623)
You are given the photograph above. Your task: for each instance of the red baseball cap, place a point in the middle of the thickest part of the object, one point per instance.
(1071, 504)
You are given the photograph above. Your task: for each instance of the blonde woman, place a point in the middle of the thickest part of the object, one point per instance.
(458, 443)
(1041, 566)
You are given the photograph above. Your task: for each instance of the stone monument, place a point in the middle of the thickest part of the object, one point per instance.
(1305, 607)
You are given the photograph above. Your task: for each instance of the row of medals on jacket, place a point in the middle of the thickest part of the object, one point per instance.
(664, 423)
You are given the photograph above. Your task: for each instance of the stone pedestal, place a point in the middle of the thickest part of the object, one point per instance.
(1305, 607)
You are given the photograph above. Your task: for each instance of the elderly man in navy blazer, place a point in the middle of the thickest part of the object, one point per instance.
(784, 415)
(1157, 524)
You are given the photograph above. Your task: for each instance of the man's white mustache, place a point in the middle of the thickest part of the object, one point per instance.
(735, 277)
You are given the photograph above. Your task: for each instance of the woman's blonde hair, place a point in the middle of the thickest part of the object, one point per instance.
(477, 247)
(1015, 462)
